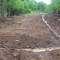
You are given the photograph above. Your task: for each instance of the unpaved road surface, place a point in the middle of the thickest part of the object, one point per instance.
(20, 54)
(27, 38)
(26, 32)
(54, 21)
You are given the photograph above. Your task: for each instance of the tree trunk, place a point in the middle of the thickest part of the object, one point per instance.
(3, 8)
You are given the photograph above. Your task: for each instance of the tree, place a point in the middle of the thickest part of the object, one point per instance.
(17, 7)
(32, 4)
(41, 6)
(21, 6)
(3, 8)
(55, 5)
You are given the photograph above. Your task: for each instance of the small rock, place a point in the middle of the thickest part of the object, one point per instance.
(15, 54)
(37, 44)
(17, 40)
(29, 34)
(59, 19)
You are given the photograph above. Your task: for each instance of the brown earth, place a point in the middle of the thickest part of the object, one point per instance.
(54, 21)
(17, 54)
(27, 31)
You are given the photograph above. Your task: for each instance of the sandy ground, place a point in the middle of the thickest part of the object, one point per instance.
(26, 32)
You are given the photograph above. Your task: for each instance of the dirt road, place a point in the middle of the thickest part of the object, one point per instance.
(27, 38)
(27, 31)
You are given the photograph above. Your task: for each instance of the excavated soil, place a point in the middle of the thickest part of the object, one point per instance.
(53, 20)
(20, 35)
(17, 54)
(27, 31)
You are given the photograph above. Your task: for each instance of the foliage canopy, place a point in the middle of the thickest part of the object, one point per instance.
(17, 7)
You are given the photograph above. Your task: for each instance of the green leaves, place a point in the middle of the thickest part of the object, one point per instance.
(55, 5)
(41, 6)
(23, 6)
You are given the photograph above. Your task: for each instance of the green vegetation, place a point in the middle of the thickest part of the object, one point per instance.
(41, 6)
(55, 5)
(17, 7)
(21, 6)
